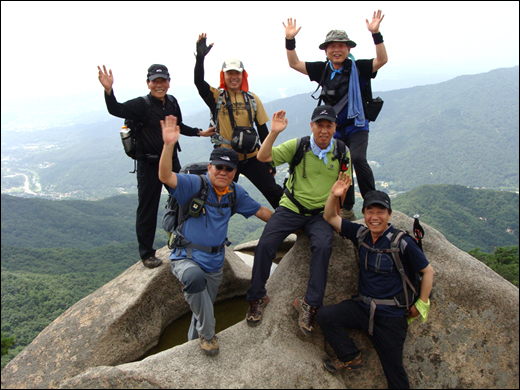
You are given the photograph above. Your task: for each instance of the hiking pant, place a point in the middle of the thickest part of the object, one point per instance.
(358, 144)
(200, 291)
(149, 189)
(388, 339)
(282, 223)
(260, 175)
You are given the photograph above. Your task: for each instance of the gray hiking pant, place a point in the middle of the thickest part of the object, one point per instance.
(200, 290)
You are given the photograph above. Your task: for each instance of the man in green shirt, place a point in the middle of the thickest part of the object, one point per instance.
(301, 207)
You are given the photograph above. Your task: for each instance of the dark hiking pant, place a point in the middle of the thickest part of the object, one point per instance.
(149, 189)
(358, 144)
(282, 223)
(388, 339)
(260, 175)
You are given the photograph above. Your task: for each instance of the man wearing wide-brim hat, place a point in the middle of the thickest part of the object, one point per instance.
(350, 96)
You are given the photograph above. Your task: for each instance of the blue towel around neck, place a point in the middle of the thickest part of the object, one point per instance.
(355, 104)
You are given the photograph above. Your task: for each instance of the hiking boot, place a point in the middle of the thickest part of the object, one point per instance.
(307, 316)
(348, 215)
(336, 365)
(152, 262)
(254, 313)
(209, 347)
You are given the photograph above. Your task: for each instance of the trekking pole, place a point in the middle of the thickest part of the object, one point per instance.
(418, 231)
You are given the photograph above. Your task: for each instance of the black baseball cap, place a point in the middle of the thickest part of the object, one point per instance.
(324, 112)
(225, 156)
(156, 70)
(379, 197)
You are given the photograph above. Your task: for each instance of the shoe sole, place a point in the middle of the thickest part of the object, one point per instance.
(253, 323)
(153, 265)
(211, 352)
(306, 332)
(334, 370)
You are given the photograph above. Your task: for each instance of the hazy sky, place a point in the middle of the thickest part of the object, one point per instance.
(53, 48)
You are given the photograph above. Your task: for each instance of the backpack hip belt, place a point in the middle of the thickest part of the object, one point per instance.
(303, 210)
(182, 242)
(373, 302)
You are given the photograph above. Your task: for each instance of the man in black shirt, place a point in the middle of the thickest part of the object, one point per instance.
(149, 142)
(349, 96)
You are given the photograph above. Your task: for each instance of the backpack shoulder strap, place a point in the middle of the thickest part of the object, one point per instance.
(320, 84)
(148, 106)
(340, 153)
(247, 101)
(217, 108)
(233, 198)
(395, 246)
(360, 236)
(302, 146)
(253, 101)
(202, 194)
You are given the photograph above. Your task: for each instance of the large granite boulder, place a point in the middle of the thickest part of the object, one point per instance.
(470, 339)
(118, 323)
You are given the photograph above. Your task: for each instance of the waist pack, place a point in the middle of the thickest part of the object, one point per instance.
(373, 109)
(244, 139)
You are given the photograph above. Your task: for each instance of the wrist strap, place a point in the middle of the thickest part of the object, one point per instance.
(290, 44)
(378, 38)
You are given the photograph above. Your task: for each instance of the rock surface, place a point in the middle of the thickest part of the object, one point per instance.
(470, 339)
(118, 323)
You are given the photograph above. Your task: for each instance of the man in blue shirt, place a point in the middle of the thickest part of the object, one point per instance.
(379, 279)
(200, 271)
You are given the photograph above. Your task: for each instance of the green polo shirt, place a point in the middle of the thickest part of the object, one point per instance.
(313, 190)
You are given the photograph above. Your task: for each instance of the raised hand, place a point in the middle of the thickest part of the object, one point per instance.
(279, 122)
(202, 49)
(105, 78)
(373, 26)
(171, 132)
(290, 29)
(342, 185)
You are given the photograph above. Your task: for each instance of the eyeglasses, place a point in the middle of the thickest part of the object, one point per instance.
(221, 167)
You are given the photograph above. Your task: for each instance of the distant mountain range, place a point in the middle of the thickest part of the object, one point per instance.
(463, 131)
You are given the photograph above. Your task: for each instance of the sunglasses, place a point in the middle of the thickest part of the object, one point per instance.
(221, 167)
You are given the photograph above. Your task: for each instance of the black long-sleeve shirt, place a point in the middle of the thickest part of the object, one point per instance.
(149, 140)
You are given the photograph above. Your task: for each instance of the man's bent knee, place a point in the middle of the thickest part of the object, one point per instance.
(194, 280)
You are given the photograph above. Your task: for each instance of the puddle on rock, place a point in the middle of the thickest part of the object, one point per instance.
(227, 313)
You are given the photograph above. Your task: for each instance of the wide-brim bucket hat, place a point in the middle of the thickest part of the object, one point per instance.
(337, 36)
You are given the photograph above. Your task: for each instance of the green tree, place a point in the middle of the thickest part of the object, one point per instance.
(7, 342)
(503, 260)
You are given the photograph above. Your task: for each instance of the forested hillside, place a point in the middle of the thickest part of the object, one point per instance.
(463, 131)
(56, 252)
(468, 218)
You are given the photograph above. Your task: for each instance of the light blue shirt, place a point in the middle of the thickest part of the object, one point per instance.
(210, 228)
